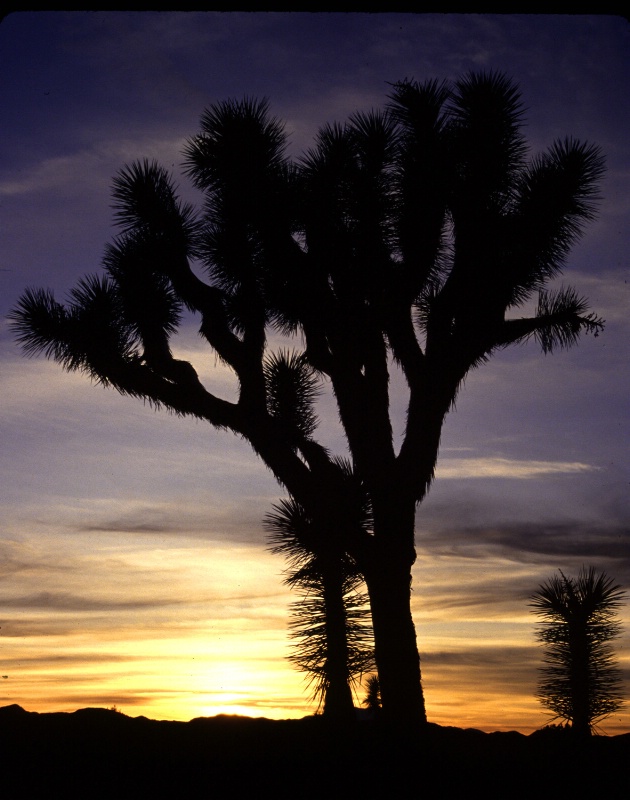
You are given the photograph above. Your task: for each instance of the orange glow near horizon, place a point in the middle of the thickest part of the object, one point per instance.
(168, 605)
(180, 691)
(206, 634)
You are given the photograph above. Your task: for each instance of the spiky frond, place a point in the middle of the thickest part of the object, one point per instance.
(375, 140)
(148, 301)
(486, 144)
(240, 146)
(295, 534)
(238, 161)
(419, 108)
(145, 202)
(327, 173)
(308, 629)
(591, 597)
(234, 254)
(39, 322)
(372, 699)
(556, 195)
(563, 318)
(332, 153)
(346, 162)
(89, 335)
(373, 200)
(99, 330)
(292, 388)
(291, 533)
(421, 181)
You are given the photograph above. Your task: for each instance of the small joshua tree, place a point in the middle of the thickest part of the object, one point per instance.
(330, 624)
(580, 681)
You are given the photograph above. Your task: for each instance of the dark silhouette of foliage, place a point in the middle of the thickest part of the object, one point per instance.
(580, 682)
(330, 623)
(372, 699)
(406, 236)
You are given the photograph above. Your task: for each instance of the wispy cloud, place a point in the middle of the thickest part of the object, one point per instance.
(67, 601)
(505, 468)
(88, 171)
(521, 541)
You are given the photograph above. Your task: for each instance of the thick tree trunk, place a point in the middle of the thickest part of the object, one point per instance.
(580, 685)
(388, 578)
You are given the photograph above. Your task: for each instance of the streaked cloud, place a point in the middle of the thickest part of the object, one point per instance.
(522, 541)
(65, 601)
(504, 468)
(87, 171)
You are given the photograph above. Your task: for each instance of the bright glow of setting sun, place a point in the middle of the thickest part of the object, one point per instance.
(227, 654)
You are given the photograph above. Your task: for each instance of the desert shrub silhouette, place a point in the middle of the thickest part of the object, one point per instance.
(580, 681)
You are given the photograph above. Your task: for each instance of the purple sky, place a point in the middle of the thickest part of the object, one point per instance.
(130, 536)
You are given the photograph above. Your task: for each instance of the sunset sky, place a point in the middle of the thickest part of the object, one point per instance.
(133, 563)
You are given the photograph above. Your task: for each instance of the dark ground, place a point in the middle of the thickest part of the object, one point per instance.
(97, 753)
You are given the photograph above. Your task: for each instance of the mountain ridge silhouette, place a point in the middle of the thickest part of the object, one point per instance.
(100, 752)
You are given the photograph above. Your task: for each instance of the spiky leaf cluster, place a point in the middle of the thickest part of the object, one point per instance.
(308, 629)
(580, 676)
(372, 699)
(292, 388)
(331, 620)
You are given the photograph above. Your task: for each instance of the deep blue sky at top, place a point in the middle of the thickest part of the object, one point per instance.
(75, 81)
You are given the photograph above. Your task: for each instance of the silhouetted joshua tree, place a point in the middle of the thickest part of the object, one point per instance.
(408, 236)
(580, 681)
(331, 623)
